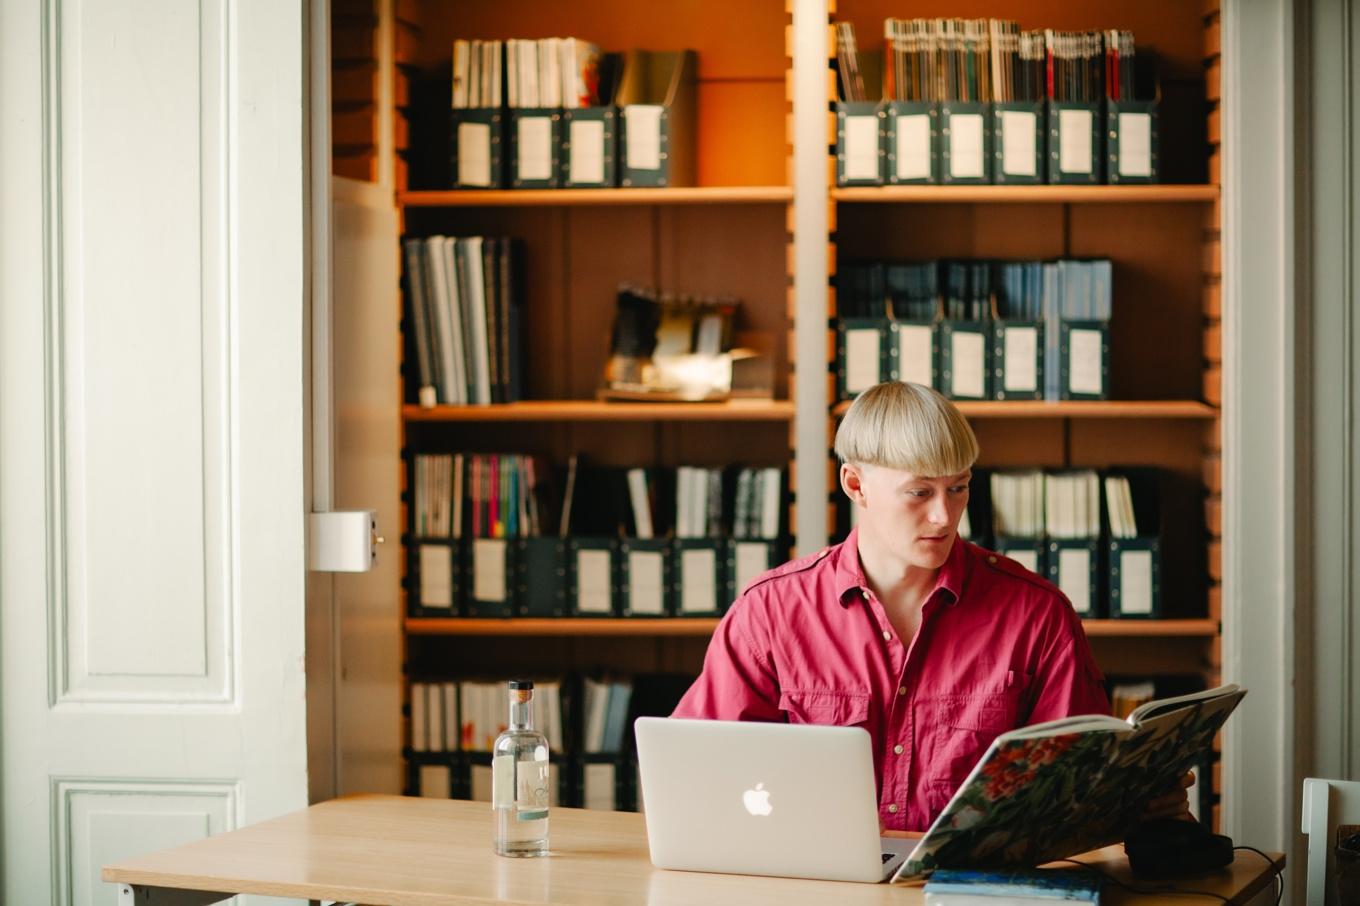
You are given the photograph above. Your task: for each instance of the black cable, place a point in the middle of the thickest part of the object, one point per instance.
(1279, 875)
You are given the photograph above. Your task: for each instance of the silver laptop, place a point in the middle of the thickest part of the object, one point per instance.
(763, 799)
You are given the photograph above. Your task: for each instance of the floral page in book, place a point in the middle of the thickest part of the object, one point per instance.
(1056, 789)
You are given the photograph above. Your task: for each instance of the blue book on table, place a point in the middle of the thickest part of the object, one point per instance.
(1037, 885)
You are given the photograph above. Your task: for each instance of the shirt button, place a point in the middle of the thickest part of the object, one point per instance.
(887, 636)
(864, 593)
(897, 750)
(892, 809)
(991, 559)
(901, 690)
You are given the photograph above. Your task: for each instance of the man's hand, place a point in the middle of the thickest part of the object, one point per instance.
(1173, 804)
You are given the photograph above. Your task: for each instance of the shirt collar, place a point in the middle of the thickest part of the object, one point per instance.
(851, 583)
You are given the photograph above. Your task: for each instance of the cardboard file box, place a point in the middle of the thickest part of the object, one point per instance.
(1084, 348)
(657, 101)
(1073, 565)
(434, 577)
(911, 143)
(490, 571)
(535, 148)
(477, 149)
(644, 589)
(593, 581)
(747, 560)
(965, 143)
(1132, 142)
(964, 363)
(861, 345)
(1135, 578)
(913, 350)
(1074, 150)
(1018, 134)
(859, 143)
(541, 577)
(1017, 360)
(1028, 552)
(699, 567)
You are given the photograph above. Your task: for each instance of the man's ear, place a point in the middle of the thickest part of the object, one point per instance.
(852, 482)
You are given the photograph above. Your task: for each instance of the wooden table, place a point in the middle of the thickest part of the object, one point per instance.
(382, 850)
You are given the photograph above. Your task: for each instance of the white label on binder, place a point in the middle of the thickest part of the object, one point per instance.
(474, 154)
(698, 585)
(861, 147)
(1029, 559)
(862, 365)
(752, 560)
(1074, 141)
(1135, 144)
(1084, 362)
(644, 136)
(913, 147)
(534, 147)
(1135, 582)
(592, 582)
(586, 164)
(1021, 357)
(599, 786)
(645, 592)
(488, 569)
(436, 575)
(913, 354)
(1019, 139)
(965, 146)
(968, 365)
(1074, 577)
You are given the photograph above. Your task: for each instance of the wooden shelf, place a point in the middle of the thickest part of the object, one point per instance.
(593, 411)
(704, 626)
(562, 626)
(1158, 409)
(511, 198)
(1029, 194)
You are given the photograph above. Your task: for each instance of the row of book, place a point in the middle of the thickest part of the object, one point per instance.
(583, 576)
(464, 303)
(572, 117)
(515, 495)
(605, 781)
(548, 72)
(988, 60)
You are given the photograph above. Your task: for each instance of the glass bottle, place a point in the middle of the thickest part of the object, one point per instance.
(519, 780)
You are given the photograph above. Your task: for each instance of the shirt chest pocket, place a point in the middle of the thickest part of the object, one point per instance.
(955, 730)
(828, 709)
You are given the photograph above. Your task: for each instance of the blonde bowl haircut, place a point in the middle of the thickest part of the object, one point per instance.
(908, 427)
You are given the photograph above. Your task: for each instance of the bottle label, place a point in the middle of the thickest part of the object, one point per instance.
(531, 794)
(503, 781)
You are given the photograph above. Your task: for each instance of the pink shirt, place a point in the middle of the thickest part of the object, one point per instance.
(998, 648)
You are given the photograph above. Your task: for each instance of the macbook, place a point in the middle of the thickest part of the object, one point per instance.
(786, 800)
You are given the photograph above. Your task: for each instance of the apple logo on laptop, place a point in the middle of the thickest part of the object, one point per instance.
(757, 801)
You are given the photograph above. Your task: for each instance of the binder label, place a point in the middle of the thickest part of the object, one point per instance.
(587, 152)
(592, 582)
(1019, 138)
(862, 365)
(535, 148)
(968, 366)
(1084, 373)
(488, 569)
(913, 148)
(914, 354)
(1074, 577)
(643, 136)
(1021, 356)
(698, 581)
(1026, 557)
(1135, 144)
(1074, 141)
(1135, 582)
(752, 560)
(474, 154)
(436, 575)
(861, 147)
(965, 146)
(644, 582)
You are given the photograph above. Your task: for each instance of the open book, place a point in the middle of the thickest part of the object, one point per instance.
(1064, 787)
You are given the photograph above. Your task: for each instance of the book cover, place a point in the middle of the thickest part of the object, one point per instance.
(1069, 786)
(1044, 885)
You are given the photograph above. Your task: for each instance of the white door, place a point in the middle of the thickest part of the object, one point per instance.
(152, 496)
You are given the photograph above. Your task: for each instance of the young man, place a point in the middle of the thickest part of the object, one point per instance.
(932, 644)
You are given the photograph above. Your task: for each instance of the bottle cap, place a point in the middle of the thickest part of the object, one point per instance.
(521, 684)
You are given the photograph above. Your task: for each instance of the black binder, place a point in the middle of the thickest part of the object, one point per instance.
(861, 351)
(1085, 355)
(913, 351)
(859, 143)
(477, 148)
(590, 136)
(964, 360)
(965, 143)
(490, 571)
(1028, 552)
(1074, 147)
(747, 559)
(700, 587)
(646, 579)
(1018, 135)
(424, 554)
(1073, 565)
(535, 148)
(1135, 574)
(1131, 130)
(541, 577)
(1017, 360)
(592, 571)
(911, 143)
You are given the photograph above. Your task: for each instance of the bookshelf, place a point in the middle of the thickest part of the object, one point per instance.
(590, 411)
(680, 195)
(1166, 333)
(703, 627)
